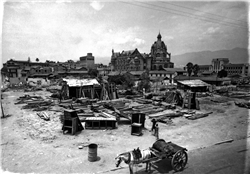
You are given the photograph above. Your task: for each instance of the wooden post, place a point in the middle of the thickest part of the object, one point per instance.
(1, 99)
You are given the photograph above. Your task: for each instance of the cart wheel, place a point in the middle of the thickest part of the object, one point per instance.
(179, 160)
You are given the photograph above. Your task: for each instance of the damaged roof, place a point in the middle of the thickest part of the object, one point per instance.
(81, 82)
(193, 83)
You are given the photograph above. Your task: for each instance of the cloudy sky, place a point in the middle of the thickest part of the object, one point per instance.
(63, 30)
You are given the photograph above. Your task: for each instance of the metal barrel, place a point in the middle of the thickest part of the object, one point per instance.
(92, 156)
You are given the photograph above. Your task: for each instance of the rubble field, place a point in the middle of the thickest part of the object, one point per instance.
(31, 144)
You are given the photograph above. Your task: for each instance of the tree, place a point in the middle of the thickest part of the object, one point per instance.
(189, 68)
(222, 73)
(196, 69)
(145, 81)
(93, 73)
(128, 81)
(116, 79)
(37, 59)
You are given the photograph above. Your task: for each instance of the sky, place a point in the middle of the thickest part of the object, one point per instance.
(66, 30)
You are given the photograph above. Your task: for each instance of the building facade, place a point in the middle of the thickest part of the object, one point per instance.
(159, 56)
(18, 70)
(242, 69)
(205, 68)
(132, 60)
(223, 63)
(87, 61)
(218, 64)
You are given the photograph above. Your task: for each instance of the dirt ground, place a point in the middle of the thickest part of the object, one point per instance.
(32, 145)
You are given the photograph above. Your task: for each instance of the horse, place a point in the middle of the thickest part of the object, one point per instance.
(135, 157)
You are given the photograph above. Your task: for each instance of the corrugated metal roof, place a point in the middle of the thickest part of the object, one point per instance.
(99, 118)
(81, 82)
(194, 83)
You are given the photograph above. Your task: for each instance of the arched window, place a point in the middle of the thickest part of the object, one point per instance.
(154, 67)
(160, 67)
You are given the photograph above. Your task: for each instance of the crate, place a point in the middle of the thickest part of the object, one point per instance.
(136, 129)
(138, 118)
(70, 125)
(100, 123)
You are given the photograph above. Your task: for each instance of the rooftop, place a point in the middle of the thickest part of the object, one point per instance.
(194, 83)
(81, 82)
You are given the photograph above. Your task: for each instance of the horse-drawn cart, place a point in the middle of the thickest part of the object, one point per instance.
(162, 150)
(159, 151)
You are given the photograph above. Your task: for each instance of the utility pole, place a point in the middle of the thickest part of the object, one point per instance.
(1, 99)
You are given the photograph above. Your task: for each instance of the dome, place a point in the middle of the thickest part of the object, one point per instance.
(159, 36)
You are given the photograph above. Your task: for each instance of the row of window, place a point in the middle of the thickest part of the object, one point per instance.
(44, 71)
(122, 68)
(158, 75)
(233, 68)
(125, 61)
(155, 61)
(237, 72)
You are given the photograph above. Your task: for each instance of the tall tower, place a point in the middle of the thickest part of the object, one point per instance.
(160, 56)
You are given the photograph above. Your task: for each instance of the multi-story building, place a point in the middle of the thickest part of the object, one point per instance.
(87, 61)
(223, 63)
(242, 69)
(159, 57)
(218, 64)
(133, 60)
(205, 68)
(18, 70)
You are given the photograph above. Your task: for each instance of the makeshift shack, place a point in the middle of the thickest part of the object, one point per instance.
(193, 85)
(81, 88)
(88, 88)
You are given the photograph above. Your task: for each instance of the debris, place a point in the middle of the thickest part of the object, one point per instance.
(112, 169)
(44, 116)
(80, 147)
(226, 141)
(4, 143)
(165, 113)
(197, 115)
(245, 104)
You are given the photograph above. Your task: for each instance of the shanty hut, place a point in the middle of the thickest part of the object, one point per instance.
(89, 88)
(81, 88)
(193, 85)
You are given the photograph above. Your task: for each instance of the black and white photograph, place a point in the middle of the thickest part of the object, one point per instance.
(125, 87)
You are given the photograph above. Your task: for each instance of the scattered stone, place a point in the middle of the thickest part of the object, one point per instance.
(80, 147)
(56, 146)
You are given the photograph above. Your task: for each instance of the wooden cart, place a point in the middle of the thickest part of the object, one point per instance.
(177, 154)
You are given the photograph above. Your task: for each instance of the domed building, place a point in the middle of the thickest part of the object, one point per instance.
(160, 58)
(133, 60)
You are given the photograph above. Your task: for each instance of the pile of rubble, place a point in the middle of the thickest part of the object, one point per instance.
(37, 103)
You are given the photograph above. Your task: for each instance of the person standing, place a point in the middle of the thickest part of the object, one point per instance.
(156, 131)
(153, 125)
